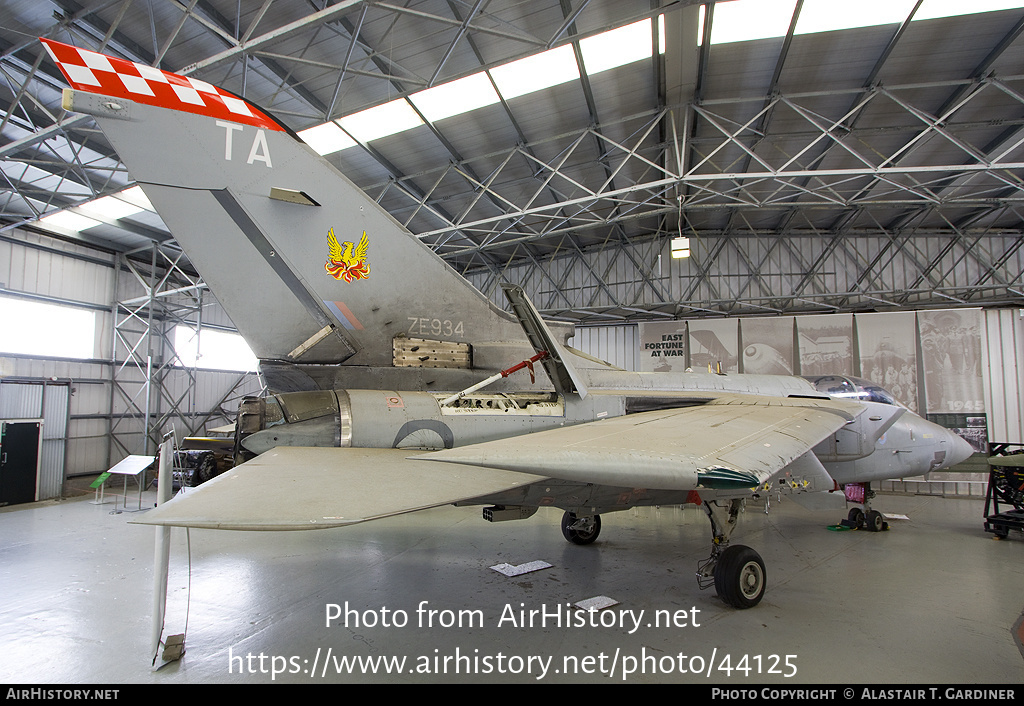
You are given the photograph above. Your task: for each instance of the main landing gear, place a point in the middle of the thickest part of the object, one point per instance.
(737, 571)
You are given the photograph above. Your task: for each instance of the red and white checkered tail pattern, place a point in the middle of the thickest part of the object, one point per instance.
(96, 73)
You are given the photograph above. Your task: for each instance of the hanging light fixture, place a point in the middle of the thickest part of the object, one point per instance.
(680, 247)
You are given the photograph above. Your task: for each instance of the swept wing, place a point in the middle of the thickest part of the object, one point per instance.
(730, 442)
(301, 488)
(727, 444)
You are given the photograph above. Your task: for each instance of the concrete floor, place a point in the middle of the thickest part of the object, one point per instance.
(934, 600)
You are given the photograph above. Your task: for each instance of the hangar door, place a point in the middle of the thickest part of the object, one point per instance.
(19, 461)
(48, 401)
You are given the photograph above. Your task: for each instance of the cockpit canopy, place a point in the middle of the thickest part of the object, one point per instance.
(845, 387)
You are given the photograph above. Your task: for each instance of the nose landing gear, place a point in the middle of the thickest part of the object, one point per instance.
(871, 520)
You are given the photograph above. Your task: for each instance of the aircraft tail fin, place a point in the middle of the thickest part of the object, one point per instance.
(308, 267)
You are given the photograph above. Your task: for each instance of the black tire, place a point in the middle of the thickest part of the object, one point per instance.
(578, 536)
(875, 521)
(740, 577)
(206, 468)
(856, 516)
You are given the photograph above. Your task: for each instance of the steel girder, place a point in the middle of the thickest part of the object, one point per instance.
(886, 190)
(278, 55)
(877, 171)
(780, 189)
(152, 390)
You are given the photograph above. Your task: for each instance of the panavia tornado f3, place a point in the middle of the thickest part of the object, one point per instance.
(368, 338)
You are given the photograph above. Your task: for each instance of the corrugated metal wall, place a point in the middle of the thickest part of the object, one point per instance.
(1003, 351)
(56, 411)
(614, 344)
(34, 266)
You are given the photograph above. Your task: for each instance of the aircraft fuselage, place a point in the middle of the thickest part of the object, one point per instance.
(879, 441)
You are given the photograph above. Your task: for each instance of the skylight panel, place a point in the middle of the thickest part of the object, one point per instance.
(933, 9)
(381, 121)
(455, 97)
(135, 195)
(827, 15)
(734, 21)
(69, 221)
(111, 207)
(326, 138)
(617, 47)
(746, 20)
(537, 72)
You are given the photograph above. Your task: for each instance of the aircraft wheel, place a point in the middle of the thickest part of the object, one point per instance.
(740, 577)
(875, 521)
(856, 516)
(580, 536)
(206, 469)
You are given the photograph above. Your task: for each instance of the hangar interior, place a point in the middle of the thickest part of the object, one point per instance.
(831, 176)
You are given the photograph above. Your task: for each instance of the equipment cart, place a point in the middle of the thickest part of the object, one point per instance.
(1005, 485)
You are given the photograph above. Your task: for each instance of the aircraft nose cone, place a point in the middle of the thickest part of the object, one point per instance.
(959, 449)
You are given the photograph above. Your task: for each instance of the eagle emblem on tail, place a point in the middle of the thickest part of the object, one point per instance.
(347, 261)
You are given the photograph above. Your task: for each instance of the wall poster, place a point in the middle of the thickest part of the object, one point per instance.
(767, 345)
(951, 358)
(662, 347)
(826, 344)
(714, 342)
(888, 353)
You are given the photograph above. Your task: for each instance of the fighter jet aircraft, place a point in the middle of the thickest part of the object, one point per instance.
(378, 351)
